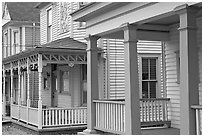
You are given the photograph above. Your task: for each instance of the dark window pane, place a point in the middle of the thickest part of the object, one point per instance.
(145, 69)
(152, 87)
(153, 68)
(144, 89)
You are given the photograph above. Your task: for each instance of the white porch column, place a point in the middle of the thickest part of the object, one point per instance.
(28, 88)
(132, 103)
(11, 101)
(92, 82)
(40, 91)
(189, 77)
(4, 92)
(19, 90)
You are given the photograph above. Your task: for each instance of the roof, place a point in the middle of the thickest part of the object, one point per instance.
(67, 43)
(23, 11)
(64, 45)
(41, 5)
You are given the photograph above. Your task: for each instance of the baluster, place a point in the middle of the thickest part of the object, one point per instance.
(142, 111)
(155, 109)
(148, 109)
(85, 115)
(78, 114)
(65, 117)
(109, 127)
(119, 115)
(159, 110)
(152, 112)
(53, 117)
(69, 117)
(163, 109)
(72, 115)
(97, 114)
(113, 115)
(56, 117)
(116, 116)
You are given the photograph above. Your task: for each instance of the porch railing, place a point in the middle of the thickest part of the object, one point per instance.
(28, 115)
(198, 111)
(110, 114)
(154, 111)
(64, 116)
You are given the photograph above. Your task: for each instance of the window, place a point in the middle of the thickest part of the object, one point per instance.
(149, 77)
(65, 82)
(15, 34)
(84, 84)
(49, 25)
(5, 45)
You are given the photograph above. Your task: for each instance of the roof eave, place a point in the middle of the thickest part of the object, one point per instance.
(42, 5)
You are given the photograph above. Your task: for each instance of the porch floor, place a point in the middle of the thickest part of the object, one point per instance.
(161, 131)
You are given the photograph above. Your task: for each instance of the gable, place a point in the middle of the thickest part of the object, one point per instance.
(6, 16)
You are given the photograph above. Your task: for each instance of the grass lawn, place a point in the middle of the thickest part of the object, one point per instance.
(9, 129)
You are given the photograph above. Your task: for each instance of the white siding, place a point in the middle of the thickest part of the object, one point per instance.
(173, 90)
(43, 26)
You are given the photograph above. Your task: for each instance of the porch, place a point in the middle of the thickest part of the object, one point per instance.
(45, 85)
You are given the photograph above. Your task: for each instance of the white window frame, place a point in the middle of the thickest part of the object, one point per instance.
(17, 48)
(158, 75)
(62, 82)
(5, 44)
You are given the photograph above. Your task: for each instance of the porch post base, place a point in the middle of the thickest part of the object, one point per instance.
(87, 132)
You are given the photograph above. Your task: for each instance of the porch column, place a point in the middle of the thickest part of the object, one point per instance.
(4, 92)
(132, 103)
(28, 88)
(189, 76)
(92, 82)
(19, 89)
(40, 91)
(11, 102)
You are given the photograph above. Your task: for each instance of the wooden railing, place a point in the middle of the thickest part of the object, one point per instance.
(110, 114)
(64, 116)
(198, 111)
(28, 115)
(154, 111)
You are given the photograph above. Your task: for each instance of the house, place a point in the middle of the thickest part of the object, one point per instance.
(178, 25)
(20, 31)
(48, 81)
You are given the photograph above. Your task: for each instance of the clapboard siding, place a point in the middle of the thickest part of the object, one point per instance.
(172, 87)
(55, 20)
(43, 26)
(64, 101)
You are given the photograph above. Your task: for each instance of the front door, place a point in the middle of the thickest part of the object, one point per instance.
(54, 94)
